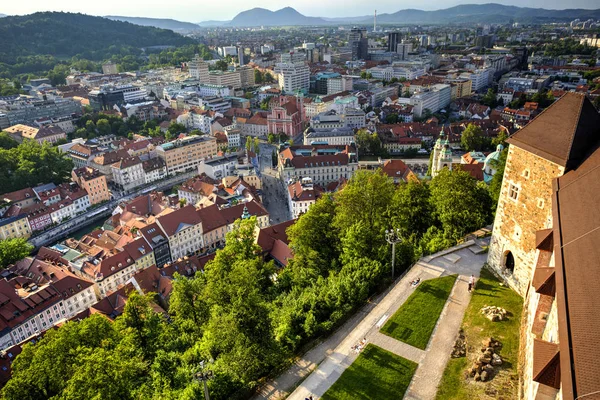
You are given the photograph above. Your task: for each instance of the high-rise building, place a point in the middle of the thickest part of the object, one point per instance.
(246, 76)
(293, 76)
(403, 49)
(241, 56)
(198, 69)
(393, 40)
(358, 42)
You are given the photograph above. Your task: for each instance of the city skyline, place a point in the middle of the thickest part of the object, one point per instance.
(214, 11)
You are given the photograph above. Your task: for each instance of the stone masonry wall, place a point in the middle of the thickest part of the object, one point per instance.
(517, 221)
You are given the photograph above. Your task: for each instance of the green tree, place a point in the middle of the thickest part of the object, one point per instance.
(490, 99)
(176, 128)
(459, 203)
(258, 77)
(7, 142)
(411, 210)
(13, 250)
(365, 198)
(103, 127)
(472, 138)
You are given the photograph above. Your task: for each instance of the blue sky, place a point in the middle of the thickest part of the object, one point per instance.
(202, 10)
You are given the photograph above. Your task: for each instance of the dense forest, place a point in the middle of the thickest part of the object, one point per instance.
(50, 43)
(243, 313)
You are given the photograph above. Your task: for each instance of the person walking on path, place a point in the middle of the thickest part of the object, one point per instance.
(471, 283)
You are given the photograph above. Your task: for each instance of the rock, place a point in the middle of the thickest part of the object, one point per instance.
(496, 360)
(485, 359)
(477, 377)
(484, 376)
(490, 350)
(489, 369)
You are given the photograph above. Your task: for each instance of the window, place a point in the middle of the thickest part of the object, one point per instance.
(526, 174)
(513, 191)
(540, 203)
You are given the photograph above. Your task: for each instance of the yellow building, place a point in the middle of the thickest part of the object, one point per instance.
(185, 154)
(93, 182)
(14, 227)
(460, 87)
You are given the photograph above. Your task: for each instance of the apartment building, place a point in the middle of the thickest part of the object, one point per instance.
(186, 154)
(226, 78)
(183, 229)
(155, 169)
(141, 252)
(37, 296)
(26, 110)
(301, 195)
(14, 227)
(128, 173)
(246, 76)
(322, 163)
(198, 69)
(195, 189)
(159, 243)
(93, 182)
(293, 77)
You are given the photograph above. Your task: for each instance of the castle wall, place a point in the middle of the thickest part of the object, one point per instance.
(518, 220)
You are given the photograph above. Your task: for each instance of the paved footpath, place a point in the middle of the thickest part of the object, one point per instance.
(429, 372)
(337, 362)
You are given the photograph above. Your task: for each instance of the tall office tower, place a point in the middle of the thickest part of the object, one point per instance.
(393, 40)
(358, 42)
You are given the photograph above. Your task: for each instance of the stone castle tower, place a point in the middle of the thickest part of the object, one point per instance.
(442, 155)
(544, 149)
(545, 244)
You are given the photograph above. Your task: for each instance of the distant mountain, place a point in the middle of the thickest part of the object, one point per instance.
(284, 17)
(492, 12)
(213, 23)
(161, 23)
(67, 34)
(465, 13)
(3, 15)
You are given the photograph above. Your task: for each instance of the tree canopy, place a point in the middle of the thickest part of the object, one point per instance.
(13, 250)
(30, 164)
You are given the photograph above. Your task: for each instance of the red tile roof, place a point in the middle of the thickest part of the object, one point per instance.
(173, 222)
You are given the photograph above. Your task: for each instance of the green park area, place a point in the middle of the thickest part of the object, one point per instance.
(456, 384)
(375, 374)
(414, 322)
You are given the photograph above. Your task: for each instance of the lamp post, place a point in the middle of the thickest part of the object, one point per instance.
(202, 376)
(393, 236)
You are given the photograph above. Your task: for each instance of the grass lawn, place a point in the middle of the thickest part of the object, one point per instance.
(454, 384)
(415, 320)
(376, 374)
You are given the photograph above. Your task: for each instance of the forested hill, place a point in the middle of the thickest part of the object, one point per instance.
(68, 34)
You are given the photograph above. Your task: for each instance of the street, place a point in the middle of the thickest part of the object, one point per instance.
(274, 190)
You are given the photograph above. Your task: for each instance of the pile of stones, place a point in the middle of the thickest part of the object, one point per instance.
(494, 313)
(460, 346)
(483, 367)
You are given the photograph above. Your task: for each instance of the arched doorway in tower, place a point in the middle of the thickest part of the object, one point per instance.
(509, 262)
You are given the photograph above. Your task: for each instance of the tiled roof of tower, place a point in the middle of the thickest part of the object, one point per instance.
(576, 236)
(563, 133)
